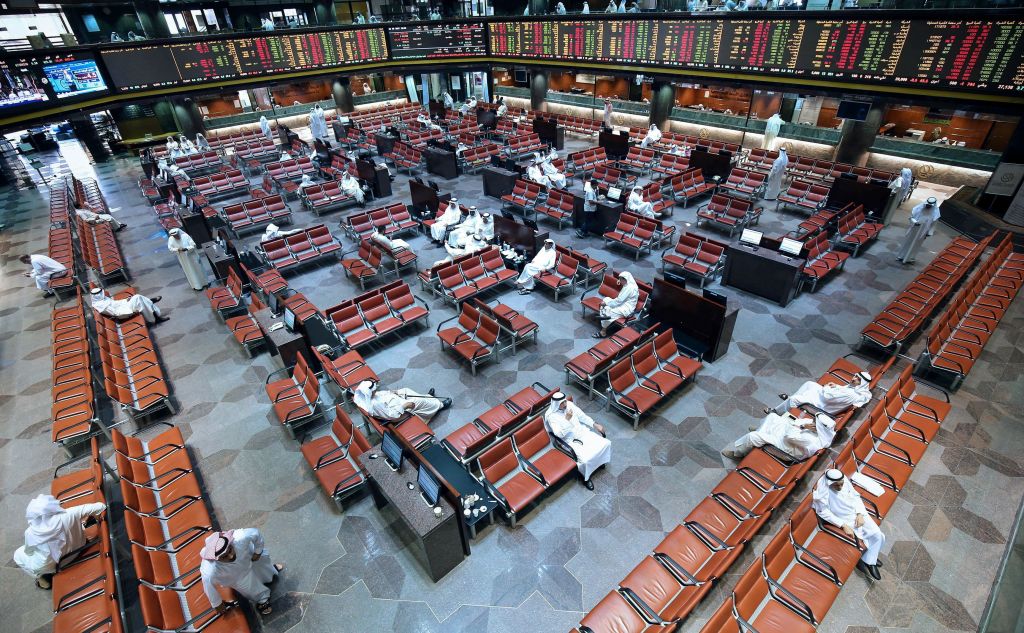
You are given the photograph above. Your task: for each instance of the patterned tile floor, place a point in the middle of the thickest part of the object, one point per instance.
(352, 570)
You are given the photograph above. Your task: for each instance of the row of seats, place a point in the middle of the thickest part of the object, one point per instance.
(524, 196)
(675, 139)
(473, 335)
(804, 195)
(100, 249)
(474, 275)
(605, 176)
(906, 313)
(132, 375)
(497, 423)
(87, 194)
(308, 245)
(257, 149)
(291, 169)
(660, 205)
(523, 143)
(562, 276)
(820, 260)
(671, 164)
(558, 206)
(60, 246)
(633, 232)
(855, 231)
(590, 269)
(419, 138)
(366, 262)
(61, 201)
(294, 394)
(577, 124)
(334, 457)
(405, 157)
(687, 186)
(167, 520)
(959, 335)
(653, 371)
(392, 220)
(827, 170)
(429, 279)
(199, 162)
(744, 182)
(696, 256)
(368, 317)
(256, 213)
(73, 402)
(473, 158)
(729, 212)
(340, 164)
(219, 140)
(326, 197)
(590, 366)
(345, 368)
(584, 161)
(221, 185)
(638, 160)
(228, 298)
(266, 281)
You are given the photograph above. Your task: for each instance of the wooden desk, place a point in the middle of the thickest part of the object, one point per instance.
(282, 343)
(763, 272)
(221, 261)
(498, 182)
(520, 235)
(441, 162)
(422, 195)
(698, 323)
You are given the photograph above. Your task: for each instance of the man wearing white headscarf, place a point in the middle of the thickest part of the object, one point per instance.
(487, 227)
(238, 560)
(559, 9)
(379, 237)
(468, 106)
(467, 227)
(555, 177)
(451, 217)
(184, 247)
(43, 269)
(543, 260)
(318, 123)
(202, 144)
(581, 433)
(906, 182)
(446, 99)
(797, 437)
(586, 8)
(53, 532)
(127, 308)
(352, 188)
(173, 148)
(922, 218)
(265, 127)
(621, 306)
(771, 131)
(393, 405)
(653, 136)
(186, 145)
(90, 216)
(836, 501)
(638, 205)
(773, 184)
(502, 108)
(607, 118)
(274, 232)
(832, 398)
(534, 173)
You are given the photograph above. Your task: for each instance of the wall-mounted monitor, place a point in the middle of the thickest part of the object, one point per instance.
(20, 84)
(435, 41)
(74, 77)
(853, 110)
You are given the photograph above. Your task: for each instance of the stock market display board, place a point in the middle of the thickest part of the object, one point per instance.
(433, 41)
(982, 55)
(144, 67)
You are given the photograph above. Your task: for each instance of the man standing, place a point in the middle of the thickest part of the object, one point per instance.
(393, 405)
(589, 207)
(43, 270)
(581, 433)
(238, 560)
(653, 136)
(184, 247)
(127, 308)
(543, 260)
(837, 502)
(922, 218)
(775, 176)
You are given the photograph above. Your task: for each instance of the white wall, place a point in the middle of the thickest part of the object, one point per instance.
(18, 25)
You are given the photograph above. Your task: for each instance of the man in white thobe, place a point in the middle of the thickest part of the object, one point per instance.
(274, 232)
(468, 227)
(621, 306)
(387, 242)
(186, 145)
(607, 119)
(53, 532)
(543, 260)
(468, 106)
(922, 218)
(43, 269)
(653, 136)
(836, 501)
(534, 173)
(586, 8)
(832, 398)
(638, 205)
(771, 131)
(127, 308)
(773, 184)
(202, 144)
(451, 217)
(265, 127)
(487, 227)
(581, 433)
(90, 216)
(238, 560)
(352, 188)
(555, 177)
(502, 108)
(559, 9)
(173, 149)
(906, 182)
(318, 123)
(446, 99)
(797, 437)
(393, 405)
(184, 247)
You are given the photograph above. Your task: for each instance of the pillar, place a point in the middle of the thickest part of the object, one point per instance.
(663, 99)
(152, 19)
(187, 116)
(856, 137)
(323, 12)
(540, 7)
(85, 132)
(341, 89)
(539, 90)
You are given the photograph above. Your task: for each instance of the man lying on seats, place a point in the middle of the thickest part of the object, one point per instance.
(53, 532)
(274, 232)
(237, 559)
(797, 437)
(43, 269)
(392, 405)
(543, 260)
(837, 502)
(126, 308)
(831, 397)
(91, 217)
(584, 436)
(621, 307)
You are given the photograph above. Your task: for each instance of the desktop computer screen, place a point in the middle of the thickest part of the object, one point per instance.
(392, 451)
(429, 486)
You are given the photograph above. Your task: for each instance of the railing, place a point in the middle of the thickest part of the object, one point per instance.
(280, 112)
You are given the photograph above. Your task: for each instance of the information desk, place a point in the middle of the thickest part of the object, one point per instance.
(280, 342)
(762, 271)
(699, 323)
(497, 181)
(459, 478)
(441, 162)
(605, 218)
(519, 235)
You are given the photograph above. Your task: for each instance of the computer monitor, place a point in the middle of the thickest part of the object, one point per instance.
(289, 319)
(751, 237)
(720, 299)
(430, 488)
(790, 247)
(614, 193)
(393, 453)
(274, 303)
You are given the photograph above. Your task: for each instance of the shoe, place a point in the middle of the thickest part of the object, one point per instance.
(783, 396)
(157, 299)
(524, 291)
(161, 319)
(730, 454)
(430, 391)
(767, 410)
(879, 563)
(121, 228)
(44, 583)
(445, 403)
(589, 485)
(873, 569)
(48, 293)
(581, 234)
(597, 335)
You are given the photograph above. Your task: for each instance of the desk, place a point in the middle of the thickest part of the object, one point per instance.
(385, 144)
(519, 235)
(698, 323)
(423, 196)
(221, 261)
(375, 174)
(605, 218)
(440, 543)
(763, 272)
(282, 343)
(497, 181)
(194, 223)
(441, 162)
(464, 483)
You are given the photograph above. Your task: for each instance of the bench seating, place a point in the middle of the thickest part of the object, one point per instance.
(471, 334)
(294, 394)
(500, 421)
(855, 231)
(671, 165)
(474, 275)
(523, 144)
(345, 369)
(804, 195)
(558, 206)
(697, 256)
(370, 316)
(524, 196)
(637, 161)
(391, 220)
(226, 184)
(640, 381)
(308, 245)
(821, 260)
(610, 288)
(334, 458)
(728, 212)
(256, 214)
(199, 163)
(584, 161)
(743, 183)
(590, 366)
(100, 249)
(73, 400)
(326, 197)
(633, 232)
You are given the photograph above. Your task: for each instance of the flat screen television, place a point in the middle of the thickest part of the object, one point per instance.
(853, 110)
(73, 78)
(393, 453)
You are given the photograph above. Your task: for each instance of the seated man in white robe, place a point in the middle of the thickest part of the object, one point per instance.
(468, 227)
(388, 243)
(653, 136)
(797, 437)
(351, 187)
(638, 205)
(555, 177)
(621, 306)
(585, 437)
(186, 145)
(127, 308)
(43, 270)
(832, 398)
(274, 232)
(836, 501)
(446, 99)
(543, 260)
(201, 143)
(90, 216)
(534, 173)
(468, 107)
(394, 405)
(451, 217)
(487, 227)
(173, 149)
(502, 108)
(53, 533)
(238, 560)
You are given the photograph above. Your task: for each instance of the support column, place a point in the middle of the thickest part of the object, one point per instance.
(187, 116)
(152, 19)
(85, 132)
(663, 99)
(539, 90)
(538, 7)
(858, 136)
(341, 89)
(323, 12)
